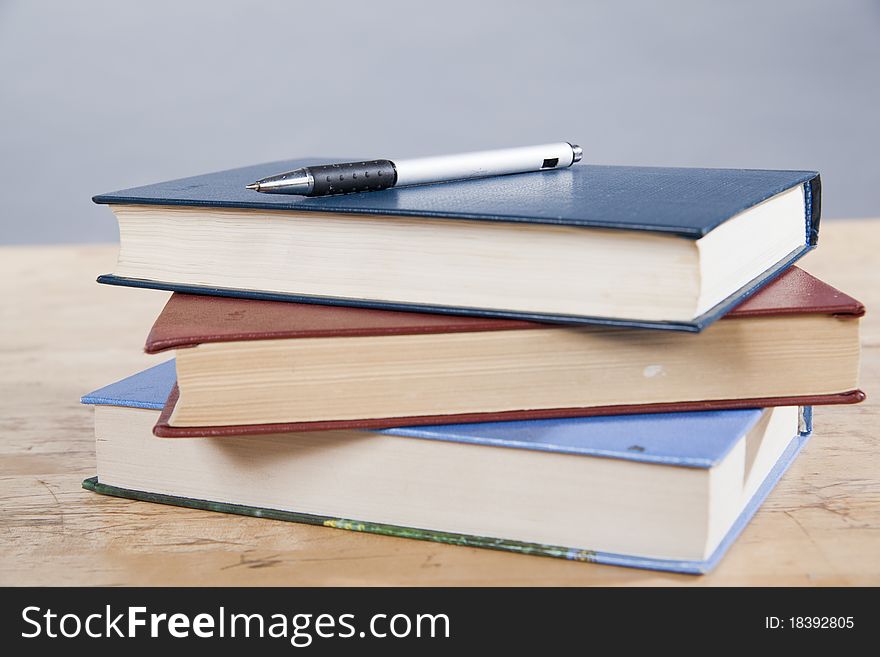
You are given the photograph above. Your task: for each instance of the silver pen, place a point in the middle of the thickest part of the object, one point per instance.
(374, 175)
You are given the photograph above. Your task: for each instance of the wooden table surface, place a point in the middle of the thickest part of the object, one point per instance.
(62, 335)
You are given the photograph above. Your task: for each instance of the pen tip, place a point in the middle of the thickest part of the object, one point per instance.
(254, 186)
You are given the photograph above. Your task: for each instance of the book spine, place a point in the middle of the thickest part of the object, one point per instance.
(813, 193)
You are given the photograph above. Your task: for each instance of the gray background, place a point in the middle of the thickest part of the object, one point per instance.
(98, 96)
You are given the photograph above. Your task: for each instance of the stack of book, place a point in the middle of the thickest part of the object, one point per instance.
(607, 364)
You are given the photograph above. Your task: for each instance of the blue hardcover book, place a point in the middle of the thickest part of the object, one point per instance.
(660, 491)
(667, 248)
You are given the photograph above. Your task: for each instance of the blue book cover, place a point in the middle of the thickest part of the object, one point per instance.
(692, 440)
(688, 203)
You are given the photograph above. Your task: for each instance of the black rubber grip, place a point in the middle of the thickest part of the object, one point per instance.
(353, 177)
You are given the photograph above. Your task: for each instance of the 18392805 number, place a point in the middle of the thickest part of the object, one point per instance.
(821, 622)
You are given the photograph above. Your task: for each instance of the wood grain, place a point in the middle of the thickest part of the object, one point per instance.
(62, 335)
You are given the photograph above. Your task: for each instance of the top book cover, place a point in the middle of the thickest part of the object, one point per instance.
(743, 226)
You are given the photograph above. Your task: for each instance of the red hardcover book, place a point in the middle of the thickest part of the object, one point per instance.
(247, 366)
